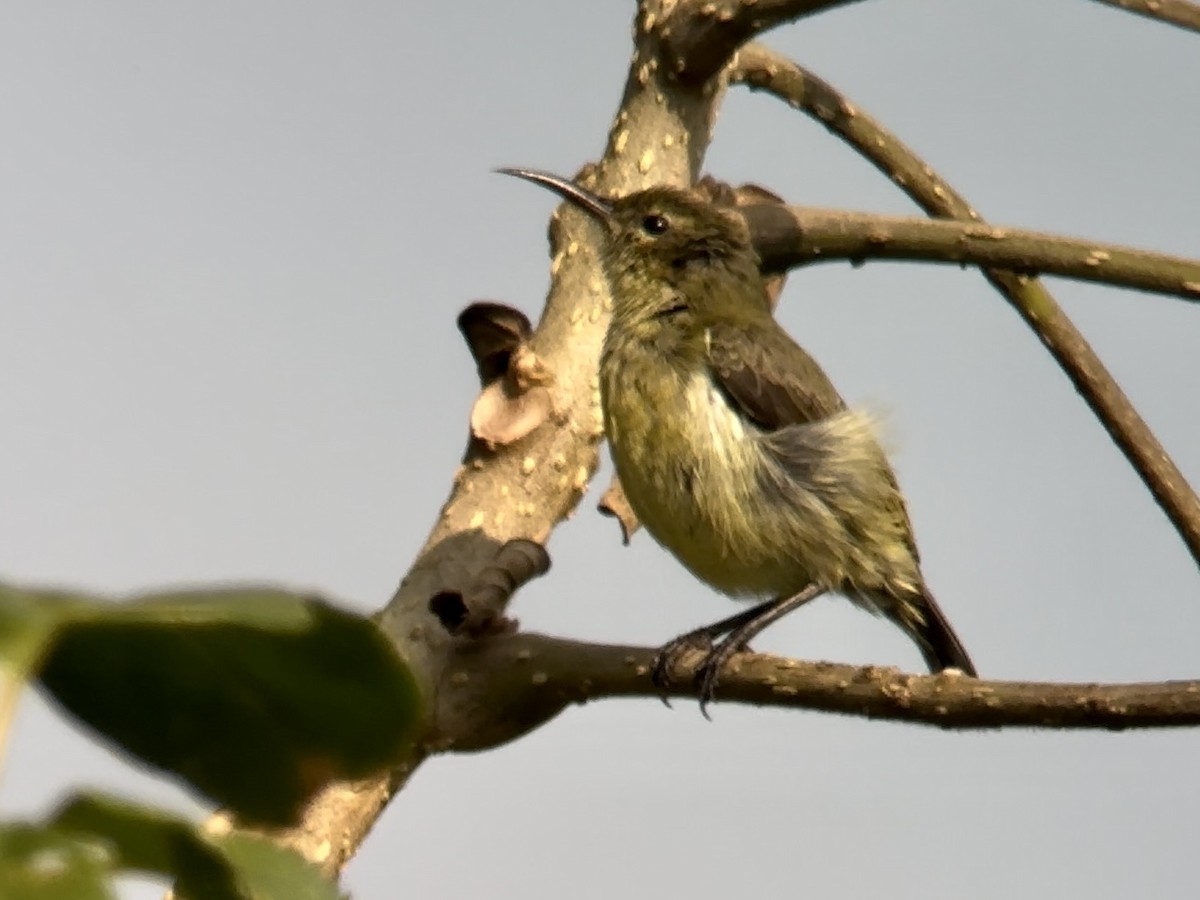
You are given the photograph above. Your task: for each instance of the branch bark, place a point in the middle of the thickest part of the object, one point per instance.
(791, 236)
(1179, 13)
(533, 676)
(762, 69)
(701, 35)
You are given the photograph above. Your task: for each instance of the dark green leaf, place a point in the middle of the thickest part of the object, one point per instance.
(28, 622)
(41, 864)
(271, 871)
(230, 867)
(257, 697)
(153, 841)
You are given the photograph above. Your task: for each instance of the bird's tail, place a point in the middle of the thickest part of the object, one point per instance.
(931, 631)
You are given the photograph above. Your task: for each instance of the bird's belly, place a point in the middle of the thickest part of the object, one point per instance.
(694, 480)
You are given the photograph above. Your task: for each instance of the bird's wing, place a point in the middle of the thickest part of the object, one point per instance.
(768, 378)
(807, 428)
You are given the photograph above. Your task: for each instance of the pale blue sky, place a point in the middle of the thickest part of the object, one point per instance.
(233, 241)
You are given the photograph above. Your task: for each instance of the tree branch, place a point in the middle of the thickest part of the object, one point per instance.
(1180, 13)
(701, 35)
(528, 678)
(763, 69)
(519, 488)
(791, 236)
(518, 483)
(336, 821)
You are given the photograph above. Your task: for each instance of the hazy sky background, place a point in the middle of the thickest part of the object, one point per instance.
(233, 241)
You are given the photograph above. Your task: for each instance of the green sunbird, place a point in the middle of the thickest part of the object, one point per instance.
(733, 447)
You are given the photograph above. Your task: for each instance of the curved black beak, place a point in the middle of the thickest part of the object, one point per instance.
(569, 191)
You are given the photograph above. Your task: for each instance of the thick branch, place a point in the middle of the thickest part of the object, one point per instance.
(763, 69)
(528, 678)
(337, 819)
(1180, 13)
(519, 490)
(702, 35)
(791, 236)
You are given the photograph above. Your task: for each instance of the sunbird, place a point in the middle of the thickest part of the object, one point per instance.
(732, 445)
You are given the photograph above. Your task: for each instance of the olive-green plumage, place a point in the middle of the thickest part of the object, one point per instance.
(734, 449)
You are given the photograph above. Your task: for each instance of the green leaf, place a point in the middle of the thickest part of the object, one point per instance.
(152, 841)
(257, 697)
(28, 622)
(41, 864)
(270, 871)
(94, 837)
(232, 867)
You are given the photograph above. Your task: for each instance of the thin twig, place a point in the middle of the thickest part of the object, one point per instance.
(701, 35)
(1180, 13)
(536, 675)
(791, 236)
(761, 68)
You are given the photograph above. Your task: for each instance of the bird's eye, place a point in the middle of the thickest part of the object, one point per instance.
(655, 225)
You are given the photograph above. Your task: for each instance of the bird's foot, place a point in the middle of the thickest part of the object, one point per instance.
(673, 652)
(739, 630)
(713, 660)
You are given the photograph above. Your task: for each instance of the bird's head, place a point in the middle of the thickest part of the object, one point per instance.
(663, 244)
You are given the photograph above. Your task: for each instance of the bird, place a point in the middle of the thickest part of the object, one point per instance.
(732, 445)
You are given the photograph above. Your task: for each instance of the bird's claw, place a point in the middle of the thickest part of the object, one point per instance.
(706, 683)
(708, 672)
(669, 656)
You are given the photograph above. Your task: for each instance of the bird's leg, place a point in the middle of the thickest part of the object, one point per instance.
(740, 629)
(740, 634)
(700, 639)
